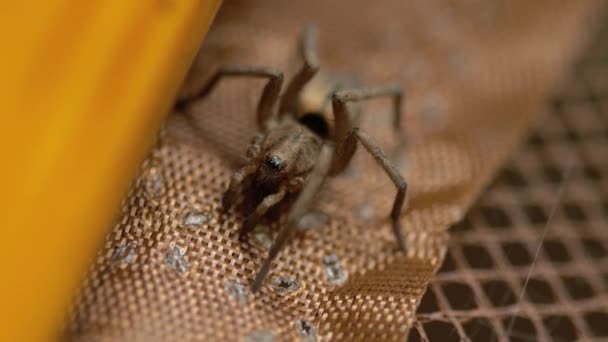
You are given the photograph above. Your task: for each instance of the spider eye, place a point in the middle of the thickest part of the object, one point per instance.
(275, 163)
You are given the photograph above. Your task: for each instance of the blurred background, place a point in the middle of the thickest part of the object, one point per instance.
(507, 122)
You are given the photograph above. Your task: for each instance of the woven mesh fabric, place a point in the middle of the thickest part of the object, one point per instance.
(551, 199)
(475, 73)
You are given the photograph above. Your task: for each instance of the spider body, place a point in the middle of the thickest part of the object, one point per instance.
(287, 147)
(311, 137)
(283, 157)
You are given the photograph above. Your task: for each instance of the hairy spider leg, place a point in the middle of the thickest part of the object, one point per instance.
(299, 208)
(308, 51)
(270, 95)
(348, 136)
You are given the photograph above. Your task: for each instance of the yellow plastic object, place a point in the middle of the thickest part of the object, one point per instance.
(84, 87)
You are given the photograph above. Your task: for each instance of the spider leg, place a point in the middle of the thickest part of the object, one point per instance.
(235, 183)
(268, 202)
(371, 146)
(344, 125)
(308, 49)
(269, 97)
(301, 205)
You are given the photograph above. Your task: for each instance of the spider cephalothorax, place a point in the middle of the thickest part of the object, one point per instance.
(313, 136)
(278, 164)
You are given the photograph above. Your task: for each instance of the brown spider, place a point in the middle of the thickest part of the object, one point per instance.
(303, 144)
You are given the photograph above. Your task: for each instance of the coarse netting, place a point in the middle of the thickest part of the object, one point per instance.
(550, 199)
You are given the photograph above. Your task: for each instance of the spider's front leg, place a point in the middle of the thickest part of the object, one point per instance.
(268, 202)
(253, 152)
(299, 208)
(235, 185)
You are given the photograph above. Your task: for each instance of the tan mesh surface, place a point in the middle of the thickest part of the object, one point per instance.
(557, 183)
(475, 73)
